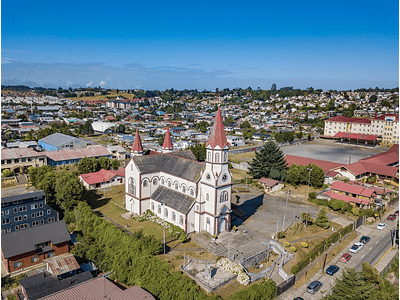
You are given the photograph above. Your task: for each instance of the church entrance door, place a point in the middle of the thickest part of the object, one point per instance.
(222, 223)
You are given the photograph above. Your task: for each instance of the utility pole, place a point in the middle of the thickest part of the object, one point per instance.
(283, 225)
(287, 196)
(308, 192)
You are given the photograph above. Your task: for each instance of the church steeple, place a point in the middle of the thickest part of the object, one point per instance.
(137, 148)
(167, 145)
(218, 136)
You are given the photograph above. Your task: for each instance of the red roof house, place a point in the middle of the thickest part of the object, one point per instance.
(103, 178)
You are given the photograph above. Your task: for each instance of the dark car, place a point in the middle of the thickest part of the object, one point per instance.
(345, 257)
(364, 239)
(298, 298)
(396, 212)
(332, 270)
(314, 286)
(391, 217)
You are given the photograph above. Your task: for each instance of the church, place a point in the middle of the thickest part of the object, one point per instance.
(175, 187)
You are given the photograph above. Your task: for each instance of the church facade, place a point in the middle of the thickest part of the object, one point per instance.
(178, 189)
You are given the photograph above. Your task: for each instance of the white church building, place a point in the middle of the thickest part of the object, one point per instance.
(175, 187)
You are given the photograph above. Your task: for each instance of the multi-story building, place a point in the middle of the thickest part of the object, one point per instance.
(20, 159)
(385, 126)
(23, 211)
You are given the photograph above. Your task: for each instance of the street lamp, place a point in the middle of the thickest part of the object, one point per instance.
(308, 191)
(287, 196)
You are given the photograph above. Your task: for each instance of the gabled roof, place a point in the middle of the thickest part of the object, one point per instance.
(346, 198)
(268, 181)
(137, 144)
(218, 136)
(173, 199)
(70, 154)
(353, 189)
(101, 176)
(57, 139)
(362, 167)
(167, 141)
(19, 153)
(23, 241)
(185, 168)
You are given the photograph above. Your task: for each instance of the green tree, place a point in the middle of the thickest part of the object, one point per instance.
(161, 140)
(6, 173)
(299, 134)
(104, 163)
(69, 190)
(317, 176)
(95, 164)
(279, 138)
(48, 185)
(199, 151)
(36, 175)
(269, 157)
(337, 204)
(121, 128)
(229, 121)
(322, 219)
(85, 165)
(245, 125)
(275, 174)
(202, 126)
(306, 216)
(352, 286)
(115, 163)
(292, 174)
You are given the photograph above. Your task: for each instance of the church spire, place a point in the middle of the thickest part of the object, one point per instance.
(217, 136)
(167, 145)
(137, 148)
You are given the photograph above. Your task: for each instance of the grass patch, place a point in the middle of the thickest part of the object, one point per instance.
(242, 157)
(8, 185)
(238, 175)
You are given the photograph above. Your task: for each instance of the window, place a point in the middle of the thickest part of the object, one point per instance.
(32, 215)
(165, 212)
(216, 157)
(42, 221)
(6, 212)
(181, 220)
(197, 207)
(50, 254)
(17, 218)
(152, 206)
(49, 220)
(191, 192)
(208, 220)
(183, 189)
(176, 186)
(169, 183)
(173, 216)
(209, 157)
(35, 223)
(155, 181)
(145, 183)
(159, 209)
(34, 206)
(225, 156)
(131, 167)
(131, 186)
(41, 204)
(34, 259)
(25, 217)
(39, 214)
(18, 264)
(8, 230)
(207, 197)
(49, 211)
(15, 210)
(223, 197)
(22, 208)
(162, 181)
(16, 227)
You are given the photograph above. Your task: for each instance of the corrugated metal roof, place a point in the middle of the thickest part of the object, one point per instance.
(57, 139)
(62, 264)
(20, 153)
(70, 154)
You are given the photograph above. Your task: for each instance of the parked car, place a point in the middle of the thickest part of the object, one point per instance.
(356, 247)
(396, 212)
(332, 270)
(364, 239)
(314, 286)
(298, 298)
(391, 217)
(345, 257)
(381, 226)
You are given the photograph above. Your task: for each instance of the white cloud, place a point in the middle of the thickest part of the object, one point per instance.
(102, 82)
(89, 84)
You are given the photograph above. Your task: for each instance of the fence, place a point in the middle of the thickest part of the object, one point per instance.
(284, 286)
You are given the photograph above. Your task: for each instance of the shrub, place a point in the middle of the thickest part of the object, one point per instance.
(280, 235)
(355, 211)
(178, 256)
(6, 173)
(182, 238)
(286, 244)
(295, 269)
(304, 244)
(293, 249)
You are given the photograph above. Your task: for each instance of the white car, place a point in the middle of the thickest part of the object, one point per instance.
(356, 247)
(381, 226)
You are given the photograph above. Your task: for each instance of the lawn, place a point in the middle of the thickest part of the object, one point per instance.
(242, 157)
(112, 207)
(238, 175)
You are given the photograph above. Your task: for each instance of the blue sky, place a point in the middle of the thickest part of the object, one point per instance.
(200, 44)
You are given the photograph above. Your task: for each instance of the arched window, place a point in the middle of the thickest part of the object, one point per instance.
(183, 189)
(173, 216)
(207, 197)
(162, 181)
(176, 186)
(216, 157)
(225, 156)
(145, 183)
(181, 220)
(208, 220)
(131, 186)
(169, 183)
(155, 181)
(152, 206)
(209, 156)
(159, 209)
(131, 167)
(165, 212)
(223, 197)
(192, 192)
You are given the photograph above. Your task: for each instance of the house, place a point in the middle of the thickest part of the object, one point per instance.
(235, 141)
(117, 152)
(271, 185)
(22, 211)
(59, 141)
(175, 187)
(24, 248)
(19, 159)
(100, 288)
(103, 179)
(359, 192)
(72, 156)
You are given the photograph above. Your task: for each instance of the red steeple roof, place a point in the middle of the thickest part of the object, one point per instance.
(137, 144)
(167, 141)
(217, 136)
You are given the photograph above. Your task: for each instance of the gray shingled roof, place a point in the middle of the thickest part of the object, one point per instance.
(57, 139)
(170, 164)
(184, 154)
(24, 196)
(173, 199)
(24, 241)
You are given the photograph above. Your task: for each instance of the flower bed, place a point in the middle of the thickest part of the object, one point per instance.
(232, 268)
(173, 230)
